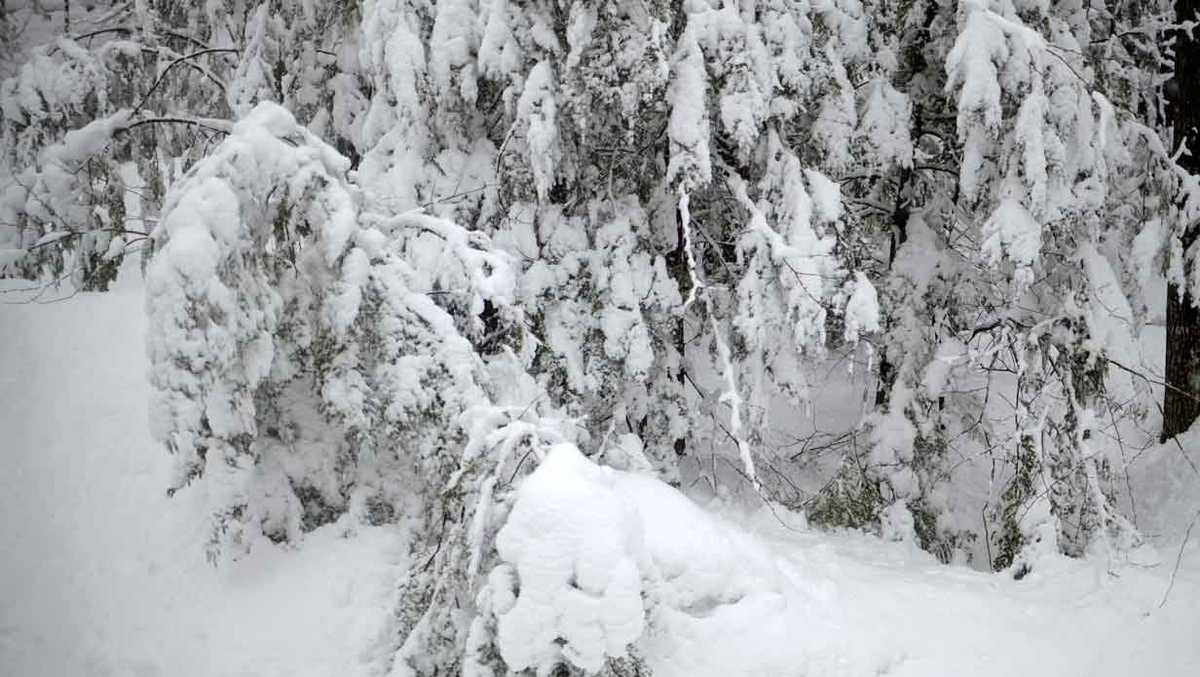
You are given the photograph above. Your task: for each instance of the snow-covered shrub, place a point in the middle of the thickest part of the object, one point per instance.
(259, 274)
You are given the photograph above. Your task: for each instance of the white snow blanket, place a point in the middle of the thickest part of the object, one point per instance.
(101, 574)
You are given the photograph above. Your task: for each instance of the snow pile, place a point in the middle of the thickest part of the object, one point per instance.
(576, 551)
(603, 563)
(604, 559)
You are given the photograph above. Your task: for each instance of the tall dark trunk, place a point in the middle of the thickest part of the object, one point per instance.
(1181, 400)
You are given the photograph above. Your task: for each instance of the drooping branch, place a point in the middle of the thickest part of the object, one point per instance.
(187, 57)
(211, 124)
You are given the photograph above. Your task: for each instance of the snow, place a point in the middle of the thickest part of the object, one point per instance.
(101, 574)
(862, 310)
(1012, 233)
(325, 331)
(735, 593)
(838, 117)
(972, 65)
(826, 195)
(79, 144)
(537, 106)
(572, 547)
(886, 120)
(688, 128)
(1147, 254)
(455, 34)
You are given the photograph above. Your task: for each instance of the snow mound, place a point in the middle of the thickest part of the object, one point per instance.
(600, 563)
(576, 551)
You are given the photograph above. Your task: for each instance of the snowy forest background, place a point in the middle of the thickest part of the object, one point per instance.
(579, 298)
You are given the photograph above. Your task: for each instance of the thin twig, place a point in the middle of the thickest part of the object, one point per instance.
(210, 125)
(1179, 558)
(162, 76)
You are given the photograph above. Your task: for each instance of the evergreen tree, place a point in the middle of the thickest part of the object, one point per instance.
(397, 248)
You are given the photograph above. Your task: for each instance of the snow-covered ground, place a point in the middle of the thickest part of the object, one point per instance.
(760, 594)
(102, 574)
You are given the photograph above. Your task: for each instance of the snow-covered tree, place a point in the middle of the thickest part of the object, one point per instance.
(398, 248)
(98, 120)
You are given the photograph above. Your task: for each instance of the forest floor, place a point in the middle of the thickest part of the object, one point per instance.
(102, 574)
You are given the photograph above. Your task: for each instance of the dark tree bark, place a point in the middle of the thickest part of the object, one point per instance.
(1181, 405)
(1181, 399)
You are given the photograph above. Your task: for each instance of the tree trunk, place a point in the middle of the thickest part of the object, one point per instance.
(677, 266)
(1181, 404)
(1181, 399)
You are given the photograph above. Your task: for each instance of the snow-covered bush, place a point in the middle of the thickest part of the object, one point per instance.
(260, 272)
